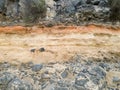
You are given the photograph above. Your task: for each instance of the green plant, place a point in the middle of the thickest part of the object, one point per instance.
(115, 10)
(35, 9)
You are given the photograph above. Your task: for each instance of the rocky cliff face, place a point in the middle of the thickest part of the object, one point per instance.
(65, 11)
(59, 57)
(81, 10)
(26, 10)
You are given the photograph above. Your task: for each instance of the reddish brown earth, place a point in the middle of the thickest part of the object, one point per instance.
(61, 43)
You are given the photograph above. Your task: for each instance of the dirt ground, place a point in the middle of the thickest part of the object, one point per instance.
(61, 43)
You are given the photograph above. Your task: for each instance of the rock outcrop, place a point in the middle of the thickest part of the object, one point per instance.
(79, 74)
(26, 10)
(65, 11)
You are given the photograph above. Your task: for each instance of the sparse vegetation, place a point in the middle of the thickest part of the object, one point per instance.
(115, 10)
(35, 9)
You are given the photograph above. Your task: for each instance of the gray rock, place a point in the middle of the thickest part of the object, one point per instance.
(96, 74)
(5, 65)
(61, 88)
(12, 9)
(89, 62)
(51, 9)
(49, 87)
(44, 85)
(5, 78)
(2, 5)
(105, 66)
(100, 71)
(103, 3)
(79, 87)
(17, 84)
(32, 50)
(92, 72)
(9, 81)
(68, 6)
(64, 83)
(66, 11)
(95, 2)
(30, 64)
(82, 10)
(42, 49)
(45, 76)
(103, 86)
(37, 67)
(81, 80)
(95, 79)
(64, 74)
(116, 79)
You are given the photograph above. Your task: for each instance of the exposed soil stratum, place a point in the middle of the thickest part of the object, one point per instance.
(61, 43)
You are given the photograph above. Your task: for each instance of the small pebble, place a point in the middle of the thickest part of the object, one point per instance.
(32, 50)
(41, 49)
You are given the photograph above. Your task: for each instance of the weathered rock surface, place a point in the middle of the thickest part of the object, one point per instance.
(65, 11)
(37, 67)
(9, 81)
(78, 74)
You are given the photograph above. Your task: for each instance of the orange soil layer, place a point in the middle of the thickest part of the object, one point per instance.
(61, 43)
(57, 29)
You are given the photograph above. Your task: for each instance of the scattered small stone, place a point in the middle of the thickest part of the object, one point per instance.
(63, 83)
(79, 87)
(30, 64)
(41, 50)
(61, 88)
(81, 80)
(45, 76)
(32, 50)
(101, 72)
(17, 84)
(89, 63)
(5, 78)
(6, 65)
(37, 67)
(116, 79)
(44, 85)
(9, 81)
(50, 87)
(105, 66)
(64, 74)
(60, 76)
